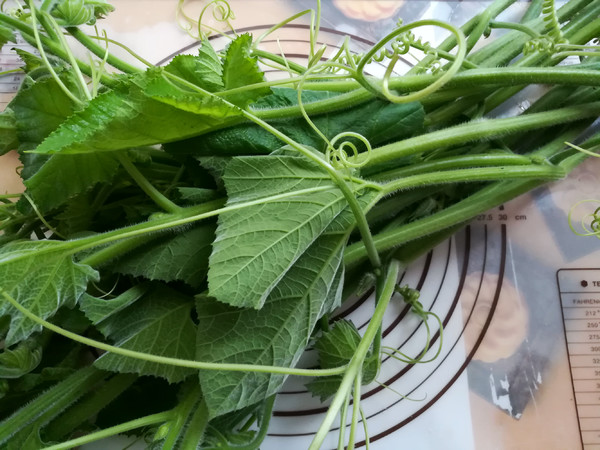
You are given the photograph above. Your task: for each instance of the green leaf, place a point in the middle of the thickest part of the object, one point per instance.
(204, 70)
(36, 69)
(195, 196)
(215, 166)
(41, 280)
(159, 324)
(20, 431)
(277, 334)
(52, 180)
(257, 245)
(377, 120)
(62, 177)
(8, 132)
(209, 106)
(6, 35)
(40, 109)
(20, 360)
(241, 69)
(98, 309)
(71, 13)
(177, 257)
(336, 347)
(145, 110)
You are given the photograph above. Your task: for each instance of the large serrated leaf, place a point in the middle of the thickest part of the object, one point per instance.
(336, 347)
(41, 280)
(40, 109)
(131, 117)
(8, 132)
(275, 335)
(99, 309)
(241, 69)
(256, 245)
(204, 70)
(6, 35)
(378, 121)
(22, 359)
(177, 257)
(52, 180)
(159, 324)
(211, 108)
(62, 177)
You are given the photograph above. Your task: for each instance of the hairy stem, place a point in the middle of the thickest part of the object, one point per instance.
(100, 51)
(478, 130)
(355, 365)
(165, 360)
(156, 196)
(113, 431)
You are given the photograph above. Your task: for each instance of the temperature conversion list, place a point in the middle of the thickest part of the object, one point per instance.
(580, 301)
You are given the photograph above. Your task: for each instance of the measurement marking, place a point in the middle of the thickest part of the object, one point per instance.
(589, 319)
(580, 292)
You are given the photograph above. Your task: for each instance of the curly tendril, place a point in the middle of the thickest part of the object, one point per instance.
(411, 298)
(221, 11)
(400, 45)
(551, 20)
(383, 88)
(553, 42)
(590, 223)
(339, 156)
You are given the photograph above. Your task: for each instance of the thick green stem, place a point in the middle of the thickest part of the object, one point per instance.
(356, 363)
(113, 431)
(181, 414)
(478, 130)
(53, 47)
(196, 428)
(199, 365)
(146, 186)
(82, 411)
(497, 173)
(455, 162)
(52, 402)
(100, 51)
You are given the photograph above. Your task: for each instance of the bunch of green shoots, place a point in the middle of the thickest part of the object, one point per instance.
(187, 231)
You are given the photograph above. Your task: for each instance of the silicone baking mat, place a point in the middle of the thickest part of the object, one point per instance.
(517, 291)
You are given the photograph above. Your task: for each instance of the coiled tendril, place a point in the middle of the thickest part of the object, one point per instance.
(553, 42)
(399, 46)
(590, 223)
(221, 11)
(411, 298)
(406, 38)
(338, 156)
